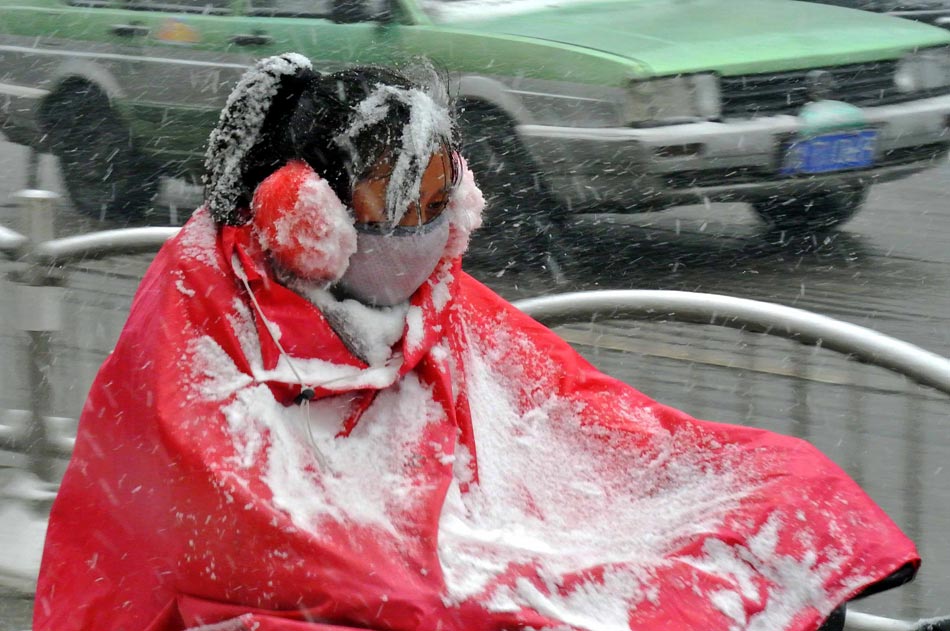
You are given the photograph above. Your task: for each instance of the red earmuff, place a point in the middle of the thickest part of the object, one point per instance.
(302, 224)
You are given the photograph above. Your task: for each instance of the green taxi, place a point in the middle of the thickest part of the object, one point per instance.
(625, 105)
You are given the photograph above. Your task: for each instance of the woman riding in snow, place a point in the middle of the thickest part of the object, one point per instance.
(314, 420)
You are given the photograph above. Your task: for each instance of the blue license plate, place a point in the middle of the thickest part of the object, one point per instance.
(831, 152)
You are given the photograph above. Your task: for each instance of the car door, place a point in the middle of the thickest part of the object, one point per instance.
(334, 34)
(193, 51)
(182, 70)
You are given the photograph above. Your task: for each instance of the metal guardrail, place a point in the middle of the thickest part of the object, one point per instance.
(857, 621)
(40, 293)
(101, 244)
(808, 328)
(11, 242)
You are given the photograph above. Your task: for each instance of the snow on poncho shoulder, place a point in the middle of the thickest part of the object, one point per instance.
(491, 479)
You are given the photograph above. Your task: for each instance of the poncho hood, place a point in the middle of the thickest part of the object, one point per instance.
(483, 476)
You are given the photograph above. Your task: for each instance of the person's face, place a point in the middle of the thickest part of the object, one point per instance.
(369, 194)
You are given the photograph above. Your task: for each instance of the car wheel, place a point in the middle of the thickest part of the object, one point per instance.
(106, 177)
(522, 219)
(816, 211)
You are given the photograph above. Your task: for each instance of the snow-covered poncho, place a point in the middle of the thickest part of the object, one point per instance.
(480, 475)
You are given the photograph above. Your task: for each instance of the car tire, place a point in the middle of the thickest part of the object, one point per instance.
(105, 175)
(522, 221)
(812, 212)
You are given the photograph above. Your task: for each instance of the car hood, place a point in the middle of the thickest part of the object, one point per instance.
(729, 36)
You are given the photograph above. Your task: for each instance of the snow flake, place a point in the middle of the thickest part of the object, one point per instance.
(180, 286)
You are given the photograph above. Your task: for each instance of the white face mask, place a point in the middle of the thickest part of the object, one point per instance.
(389, 266)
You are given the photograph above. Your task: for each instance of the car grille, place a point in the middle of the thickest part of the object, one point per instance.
(932, 152)
(866, 84)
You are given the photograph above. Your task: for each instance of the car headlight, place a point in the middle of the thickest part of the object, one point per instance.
(669, 100)
(923, 71)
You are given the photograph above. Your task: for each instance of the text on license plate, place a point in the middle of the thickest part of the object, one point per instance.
(831, 152)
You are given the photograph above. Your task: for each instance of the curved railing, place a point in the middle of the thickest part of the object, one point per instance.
(809, 328)
(104, 243)
(11, 243)
(39, 246)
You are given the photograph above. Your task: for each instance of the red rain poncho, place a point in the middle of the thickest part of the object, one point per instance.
(485, 476)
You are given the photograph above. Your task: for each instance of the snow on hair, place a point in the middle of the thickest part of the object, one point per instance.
(428, 130)
(238, 130)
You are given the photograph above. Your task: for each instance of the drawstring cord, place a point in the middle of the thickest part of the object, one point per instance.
(321, 459)
(307, 393)
(239, 269)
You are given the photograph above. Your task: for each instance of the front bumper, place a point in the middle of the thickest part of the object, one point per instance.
(655, 168)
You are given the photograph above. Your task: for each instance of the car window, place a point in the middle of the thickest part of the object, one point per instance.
(89, 3)
(456, 10)
(290, 8)
(178, 6)
(343, 11)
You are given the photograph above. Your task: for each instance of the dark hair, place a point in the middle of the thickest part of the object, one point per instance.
(310, 114)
